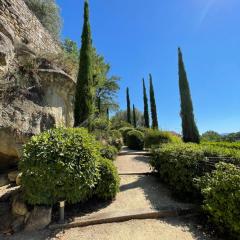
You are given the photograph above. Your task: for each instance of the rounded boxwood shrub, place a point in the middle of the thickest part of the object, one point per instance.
(221, 191)
(124, 131)
(108, 186)
(60, 164)
(155, 138)
(135, 140)
(109, 152)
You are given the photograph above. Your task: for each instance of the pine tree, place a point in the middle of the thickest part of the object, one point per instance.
(153, 105)
(84, 101)
(189, 127)
(134, 117)
(128, 107)
(145, 100)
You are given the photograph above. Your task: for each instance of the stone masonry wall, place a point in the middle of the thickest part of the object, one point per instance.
(18, 20)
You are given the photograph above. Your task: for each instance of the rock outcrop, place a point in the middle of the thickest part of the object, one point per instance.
(35, 95)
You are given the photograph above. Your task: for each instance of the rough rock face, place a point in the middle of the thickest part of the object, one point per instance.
(34, 96)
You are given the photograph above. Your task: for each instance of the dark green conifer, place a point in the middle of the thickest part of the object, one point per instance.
(134, 117)
(128, 107)
(153, 105)
(189, 127)
(145, 101)
(84, 101)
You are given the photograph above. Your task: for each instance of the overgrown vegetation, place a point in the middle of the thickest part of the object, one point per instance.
(135, 140)
(48, 13)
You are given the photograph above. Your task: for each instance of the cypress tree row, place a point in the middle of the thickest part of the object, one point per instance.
(189, 127)
(153, 105)
(145, 101)
(84, 101)
(134, 117)
(128, 107)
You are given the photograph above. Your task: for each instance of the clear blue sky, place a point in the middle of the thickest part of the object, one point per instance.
(138, 37)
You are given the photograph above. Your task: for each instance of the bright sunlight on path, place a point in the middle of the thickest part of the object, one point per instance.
(138, 192)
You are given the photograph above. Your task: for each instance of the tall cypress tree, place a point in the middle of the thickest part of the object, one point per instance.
(134, 117)
(145, 101)
(189, 127)
(84, 101)
(153, 105)
(128, 107)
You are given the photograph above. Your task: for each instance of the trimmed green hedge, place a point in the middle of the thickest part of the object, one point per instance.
(60, 164)
(154, 138)
(108, 186)
(109, 152)
(135, 140)
(124, 131)
(221, 191)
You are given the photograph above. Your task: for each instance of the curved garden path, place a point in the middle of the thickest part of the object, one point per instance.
(141, 198)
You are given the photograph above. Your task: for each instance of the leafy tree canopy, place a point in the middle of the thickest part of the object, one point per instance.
(211, 136)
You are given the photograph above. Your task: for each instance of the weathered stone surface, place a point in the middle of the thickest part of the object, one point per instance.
(12, 176)
(39, 218)
(18, 224)
(18, 179)
(19, 207)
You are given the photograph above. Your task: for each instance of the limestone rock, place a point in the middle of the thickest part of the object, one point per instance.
(39, 218)
(12, 176)
(19, 207)
(18, 179)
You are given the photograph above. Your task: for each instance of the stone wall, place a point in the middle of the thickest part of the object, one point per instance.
(18, 21)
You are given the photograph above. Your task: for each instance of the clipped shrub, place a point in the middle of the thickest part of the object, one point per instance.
(124, 131)
(221, 191)
(101, 124)
(177, 165)
(108, 186)
(109, 152)
(60, 164)
(135, 140)
(156, 137)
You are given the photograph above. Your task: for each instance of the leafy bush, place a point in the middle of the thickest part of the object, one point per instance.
(221, 191)
(109, 152)
(156, 137)
(135, 140)
(230, 145)
(48, 13)
(101, 124)
(124, 131)
(108, 185)
(60, 164)
(117, 124)
(115, 139)
(177, 165)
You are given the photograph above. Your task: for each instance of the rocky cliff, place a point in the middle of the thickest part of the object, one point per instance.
(35, 95)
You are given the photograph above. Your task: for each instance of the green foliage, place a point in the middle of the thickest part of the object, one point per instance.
(230, 145)
(177, 165)
(189, 127)
(154, 138)
(60, 164)
(129, 118)
(47, 11)
(135, 140)
(109, 152)
(106, 87)
(120, 118)
(84, 101)
(221, 191)
(115, 139)
(134, 117)
(124, 131)
(211, 136)
(101, 124)
(108, 185)
(145, 101)
(153, 105)
(232, 137)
